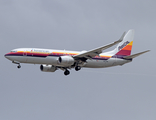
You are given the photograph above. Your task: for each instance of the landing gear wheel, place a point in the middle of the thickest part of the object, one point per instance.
(67, 72)
(18, 66)
(77, 68)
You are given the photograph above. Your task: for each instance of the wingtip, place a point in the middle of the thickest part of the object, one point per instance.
(123, 35)
(148, 51)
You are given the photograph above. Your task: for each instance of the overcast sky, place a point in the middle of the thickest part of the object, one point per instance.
(119, 93)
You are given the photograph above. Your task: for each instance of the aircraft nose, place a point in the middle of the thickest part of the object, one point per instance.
(6, 56)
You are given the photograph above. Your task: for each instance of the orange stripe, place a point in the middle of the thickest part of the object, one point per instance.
(65, 53)
(105, 56)
(128, 47)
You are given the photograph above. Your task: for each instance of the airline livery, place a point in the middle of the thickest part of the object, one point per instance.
(52, 60)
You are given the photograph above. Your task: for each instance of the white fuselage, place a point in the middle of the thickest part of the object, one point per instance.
(52, 60)
(50, 57)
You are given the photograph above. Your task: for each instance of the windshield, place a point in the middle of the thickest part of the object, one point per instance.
(13, 51)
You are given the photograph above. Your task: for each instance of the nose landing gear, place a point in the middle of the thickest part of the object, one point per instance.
(15, 62)
(19, 66)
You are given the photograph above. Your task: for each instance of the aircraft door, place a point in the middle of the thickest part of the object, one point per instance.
(24, 53)
(114, 61)
(24, 58)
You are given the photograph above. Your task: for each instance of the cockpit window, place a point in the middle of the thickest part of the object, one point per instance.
(14, 51)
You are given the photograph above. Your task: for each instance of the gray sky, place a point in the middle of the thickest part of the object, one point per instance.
(116, 93)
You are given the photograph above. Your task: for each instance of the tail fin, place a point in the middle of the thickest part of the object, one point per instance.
(124, 48)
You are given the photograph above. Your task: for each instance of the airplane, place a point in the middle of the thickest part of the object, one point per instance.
(51, 60)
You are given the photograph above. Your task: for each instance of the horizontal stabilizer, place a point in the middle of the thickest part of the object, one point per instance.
(135, 55)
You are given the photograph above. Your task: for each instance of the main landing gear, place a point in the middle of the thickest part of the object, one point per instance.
(77, 68)
(66, 72)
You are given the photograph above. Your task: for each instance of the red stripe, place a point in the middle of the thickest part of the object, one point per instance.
(124, 52)
(24, 53)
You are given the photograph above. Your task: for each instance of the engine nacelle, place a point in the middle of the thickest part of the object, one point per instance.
(66, 60)
(48, 68)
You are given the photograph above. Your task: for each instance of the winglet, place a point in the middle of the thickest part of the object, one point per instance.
(121, 38)
(123, 35)
(135, 55)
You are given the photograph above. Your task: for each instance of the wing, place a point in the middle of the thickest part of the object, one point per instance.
(95, 52)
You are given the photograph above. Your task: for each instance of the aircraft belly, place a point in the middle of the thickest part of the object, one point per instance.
(122, 61)
(95, 64)
(105, 63)
(37, 60)
(100, 63)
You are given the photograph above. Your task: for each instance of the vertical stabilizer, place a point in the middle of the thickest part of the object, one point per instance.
(124, 48)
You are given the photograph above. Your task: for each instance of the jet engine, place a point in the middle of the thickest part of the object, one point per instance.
(48, 68)
(66, 60)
